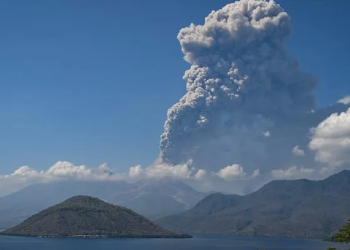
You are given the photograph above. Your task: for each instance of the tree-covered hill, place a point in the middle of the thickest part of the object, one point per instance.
(88, 216)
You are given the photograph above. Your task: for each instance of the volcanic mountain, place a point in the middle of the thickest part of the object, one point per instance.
(88, 216)
(151, 198)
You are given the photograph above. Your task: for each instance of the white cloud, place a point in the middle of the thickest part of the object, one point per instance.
(293, 173)
(60, 171)
(267, 134)
(64, 170)
(232, 172)
(256, 173)
(25, 171)
(67, 169)
(136, 172)
(345, 100)
(181, 171)
(298, 151)
(200, 174)
(331, 140)
(161, 170)
(235, 172)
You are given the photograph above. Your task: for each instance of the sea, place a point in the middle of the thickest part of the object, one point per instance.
(195, 243)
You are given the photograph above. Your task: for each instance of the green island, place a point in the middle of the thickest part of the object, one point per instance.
(88, 217)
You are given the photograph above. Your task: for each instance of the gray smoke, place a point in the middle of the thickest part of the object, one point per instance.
(241, 84)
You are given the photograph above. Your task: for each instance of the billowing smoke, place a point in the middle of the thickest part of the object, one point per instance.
(241, 85)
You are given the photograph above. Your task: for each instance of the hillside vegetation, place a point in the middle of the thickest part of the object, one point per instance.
(298, 208)
(88, 216)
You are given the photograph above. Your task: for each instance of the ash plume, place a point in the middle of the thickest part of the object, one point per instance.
(241, 85)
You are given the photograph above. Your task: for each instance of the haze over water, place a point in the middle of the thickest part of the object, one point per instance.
(197, 243)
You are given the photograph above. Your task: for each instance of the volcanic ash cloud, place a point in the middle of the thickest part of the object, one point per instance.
(241, 83)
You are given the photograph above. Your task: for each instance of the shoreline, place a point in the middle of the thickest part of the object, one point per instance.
(182, 236)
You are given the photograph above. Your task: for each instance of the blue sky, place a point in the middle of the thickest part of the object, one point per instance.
(91, 81)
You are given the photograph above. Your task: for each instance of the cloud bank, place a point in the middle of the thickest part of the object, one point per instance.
(63, 171)
(294, 173)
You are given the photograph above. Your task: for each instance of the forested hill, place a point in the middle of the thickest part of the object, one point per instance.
(88, 216)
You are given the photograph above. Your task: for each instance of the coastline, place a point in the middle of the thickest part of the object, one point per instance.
(180, 236)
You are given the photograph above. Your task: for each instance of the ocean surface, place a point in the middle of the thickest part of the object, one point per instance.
(196, 243)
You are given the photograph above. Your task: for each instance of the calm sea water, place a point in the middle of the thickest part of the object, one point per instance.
(196, 243)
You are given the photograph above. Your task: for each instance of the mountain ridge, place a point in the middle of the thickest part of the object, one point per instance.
(291, 208)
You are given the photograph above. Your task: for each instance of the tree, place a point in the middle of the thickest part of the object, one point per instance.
(343, 235)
